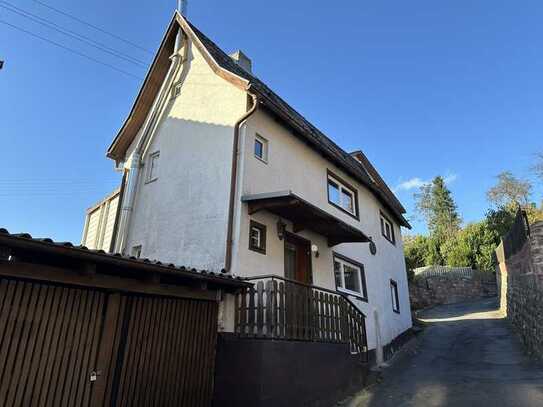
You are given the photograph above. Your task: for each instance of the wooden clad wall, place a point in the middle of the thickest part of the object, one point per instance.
(100, 223)
(145, 350)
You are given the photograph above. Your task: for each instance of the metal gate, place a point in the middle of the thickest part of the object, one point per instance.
(66, 346)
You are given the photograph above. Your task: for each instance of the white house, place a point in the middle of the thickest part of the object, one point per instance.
(220, 173)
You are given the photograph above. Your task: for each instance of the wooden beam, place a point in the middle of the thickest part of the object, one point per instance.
(5, 252)
(262, 205)
(298, 227)
(104, 281)
(88, 269)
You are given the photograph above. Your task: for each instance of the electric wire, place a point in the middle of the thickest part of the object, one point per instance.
(102, 47)
(74, 51)
(93, 26)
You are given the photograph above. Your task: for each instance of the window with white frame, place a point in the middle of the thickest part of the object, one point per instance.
(394, 296)
(257, 237)
(387, 229)
(350, 276)
(342, 195)
(152, 167)
(261, 148)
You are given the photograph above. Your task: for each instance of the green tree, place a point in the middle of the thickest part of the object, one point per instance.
(435, 202)
(473, 247)
(415, 250)
(509, 191)
(434, 256)
(501, 219)
(456, 251)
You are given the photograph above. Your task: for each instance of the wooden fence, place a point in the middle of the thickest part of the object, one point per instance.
(276, 307)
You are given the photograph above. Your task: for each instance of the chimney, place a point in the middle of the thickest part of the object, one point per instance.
(182, 7)
(242, 60)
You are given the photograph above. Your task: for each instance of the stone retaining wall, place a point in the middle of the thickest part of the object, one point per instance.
(520, 281)
(450, 288)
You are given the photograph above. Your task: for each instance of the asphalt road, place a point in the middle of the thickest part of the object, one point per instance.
(467, 356)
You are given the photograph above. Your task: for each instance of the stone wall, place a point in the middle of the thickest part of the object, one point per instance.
(429, 289)
(520, 281)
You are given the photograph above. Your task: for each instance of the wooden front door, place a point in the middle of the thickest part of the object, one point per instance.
(298, 259)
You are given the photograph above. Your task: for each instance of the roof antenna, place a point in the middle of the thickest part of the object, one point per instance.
(182, 7)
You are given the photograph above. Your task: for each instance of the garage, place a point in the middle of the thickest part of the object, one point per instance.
(85, 328)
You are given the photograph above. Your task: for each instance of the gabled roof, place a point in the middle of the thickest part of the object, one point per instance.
(225, 67)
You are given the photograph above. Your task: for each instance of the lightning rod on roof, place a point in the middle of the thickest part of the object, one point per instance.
(182, 7)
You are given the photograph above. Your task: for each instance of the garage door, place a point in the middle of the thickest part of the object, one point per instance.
(66, 346)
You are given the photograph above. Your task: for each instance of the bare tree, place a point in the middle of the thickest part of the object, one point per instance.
(509, 190)
(538, 166)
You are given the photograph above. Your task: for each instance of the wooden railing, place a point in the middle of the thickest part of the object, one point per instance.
(276, 307)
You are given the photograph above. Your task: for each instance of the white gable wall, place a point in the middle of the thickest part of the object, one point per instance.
(181, 217)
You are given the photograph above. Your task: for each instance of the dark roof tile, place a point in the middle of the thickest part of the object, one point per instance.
(48, 242)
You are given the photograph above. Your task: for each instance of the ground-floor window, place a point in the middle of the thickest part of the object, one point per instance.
(350, 276)
(257, 237)
(394, 296)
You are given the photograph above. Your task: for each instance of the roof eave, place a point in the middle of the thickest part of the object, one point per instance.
(112, 151)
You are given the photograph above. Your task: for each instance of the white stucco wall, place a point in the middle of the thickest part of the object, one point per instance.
(292, 165)
(181, 217)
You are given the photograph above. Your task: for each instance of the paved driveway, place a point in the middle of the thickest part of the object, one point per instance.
(466, 357)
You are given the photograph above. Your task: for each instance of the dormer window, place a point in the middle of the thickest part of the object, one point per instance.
(261, 148)
(342, 195)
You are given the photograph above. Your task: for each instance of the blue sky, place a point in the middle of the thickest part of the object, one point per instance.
(424, 88)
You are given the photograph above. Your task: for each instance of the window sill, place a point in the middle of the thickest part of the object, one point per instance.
(259, 251)
(392, 242)
(261, 160)
(352, 215)
(352, 294)
(151, 180)
(396, 312)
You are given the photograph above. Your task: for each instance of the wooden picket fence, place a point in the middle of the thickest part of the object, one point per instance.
(279, 308)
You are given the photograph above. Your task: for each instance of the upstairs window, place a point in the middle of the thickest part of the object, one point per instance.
(342, 195)
(395, 297)
(387, 229)
(350, 276)
(257, 237)
(152, 167)
(261, 148)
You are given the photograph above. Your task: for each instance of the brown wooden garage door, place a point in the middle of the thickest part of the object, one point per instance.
(144, 350)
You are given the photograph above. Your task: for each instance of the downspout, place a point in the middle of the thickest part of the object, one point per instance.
(114, 235)
(137, 156)
(233, 182)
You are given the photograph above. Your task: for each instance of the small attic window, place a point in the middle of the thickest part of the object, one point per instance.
(176, 90)
(261, 148)
(152, 167)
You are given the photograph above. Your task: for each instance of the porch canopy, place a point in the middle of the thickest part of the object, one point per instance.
(304, 215)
